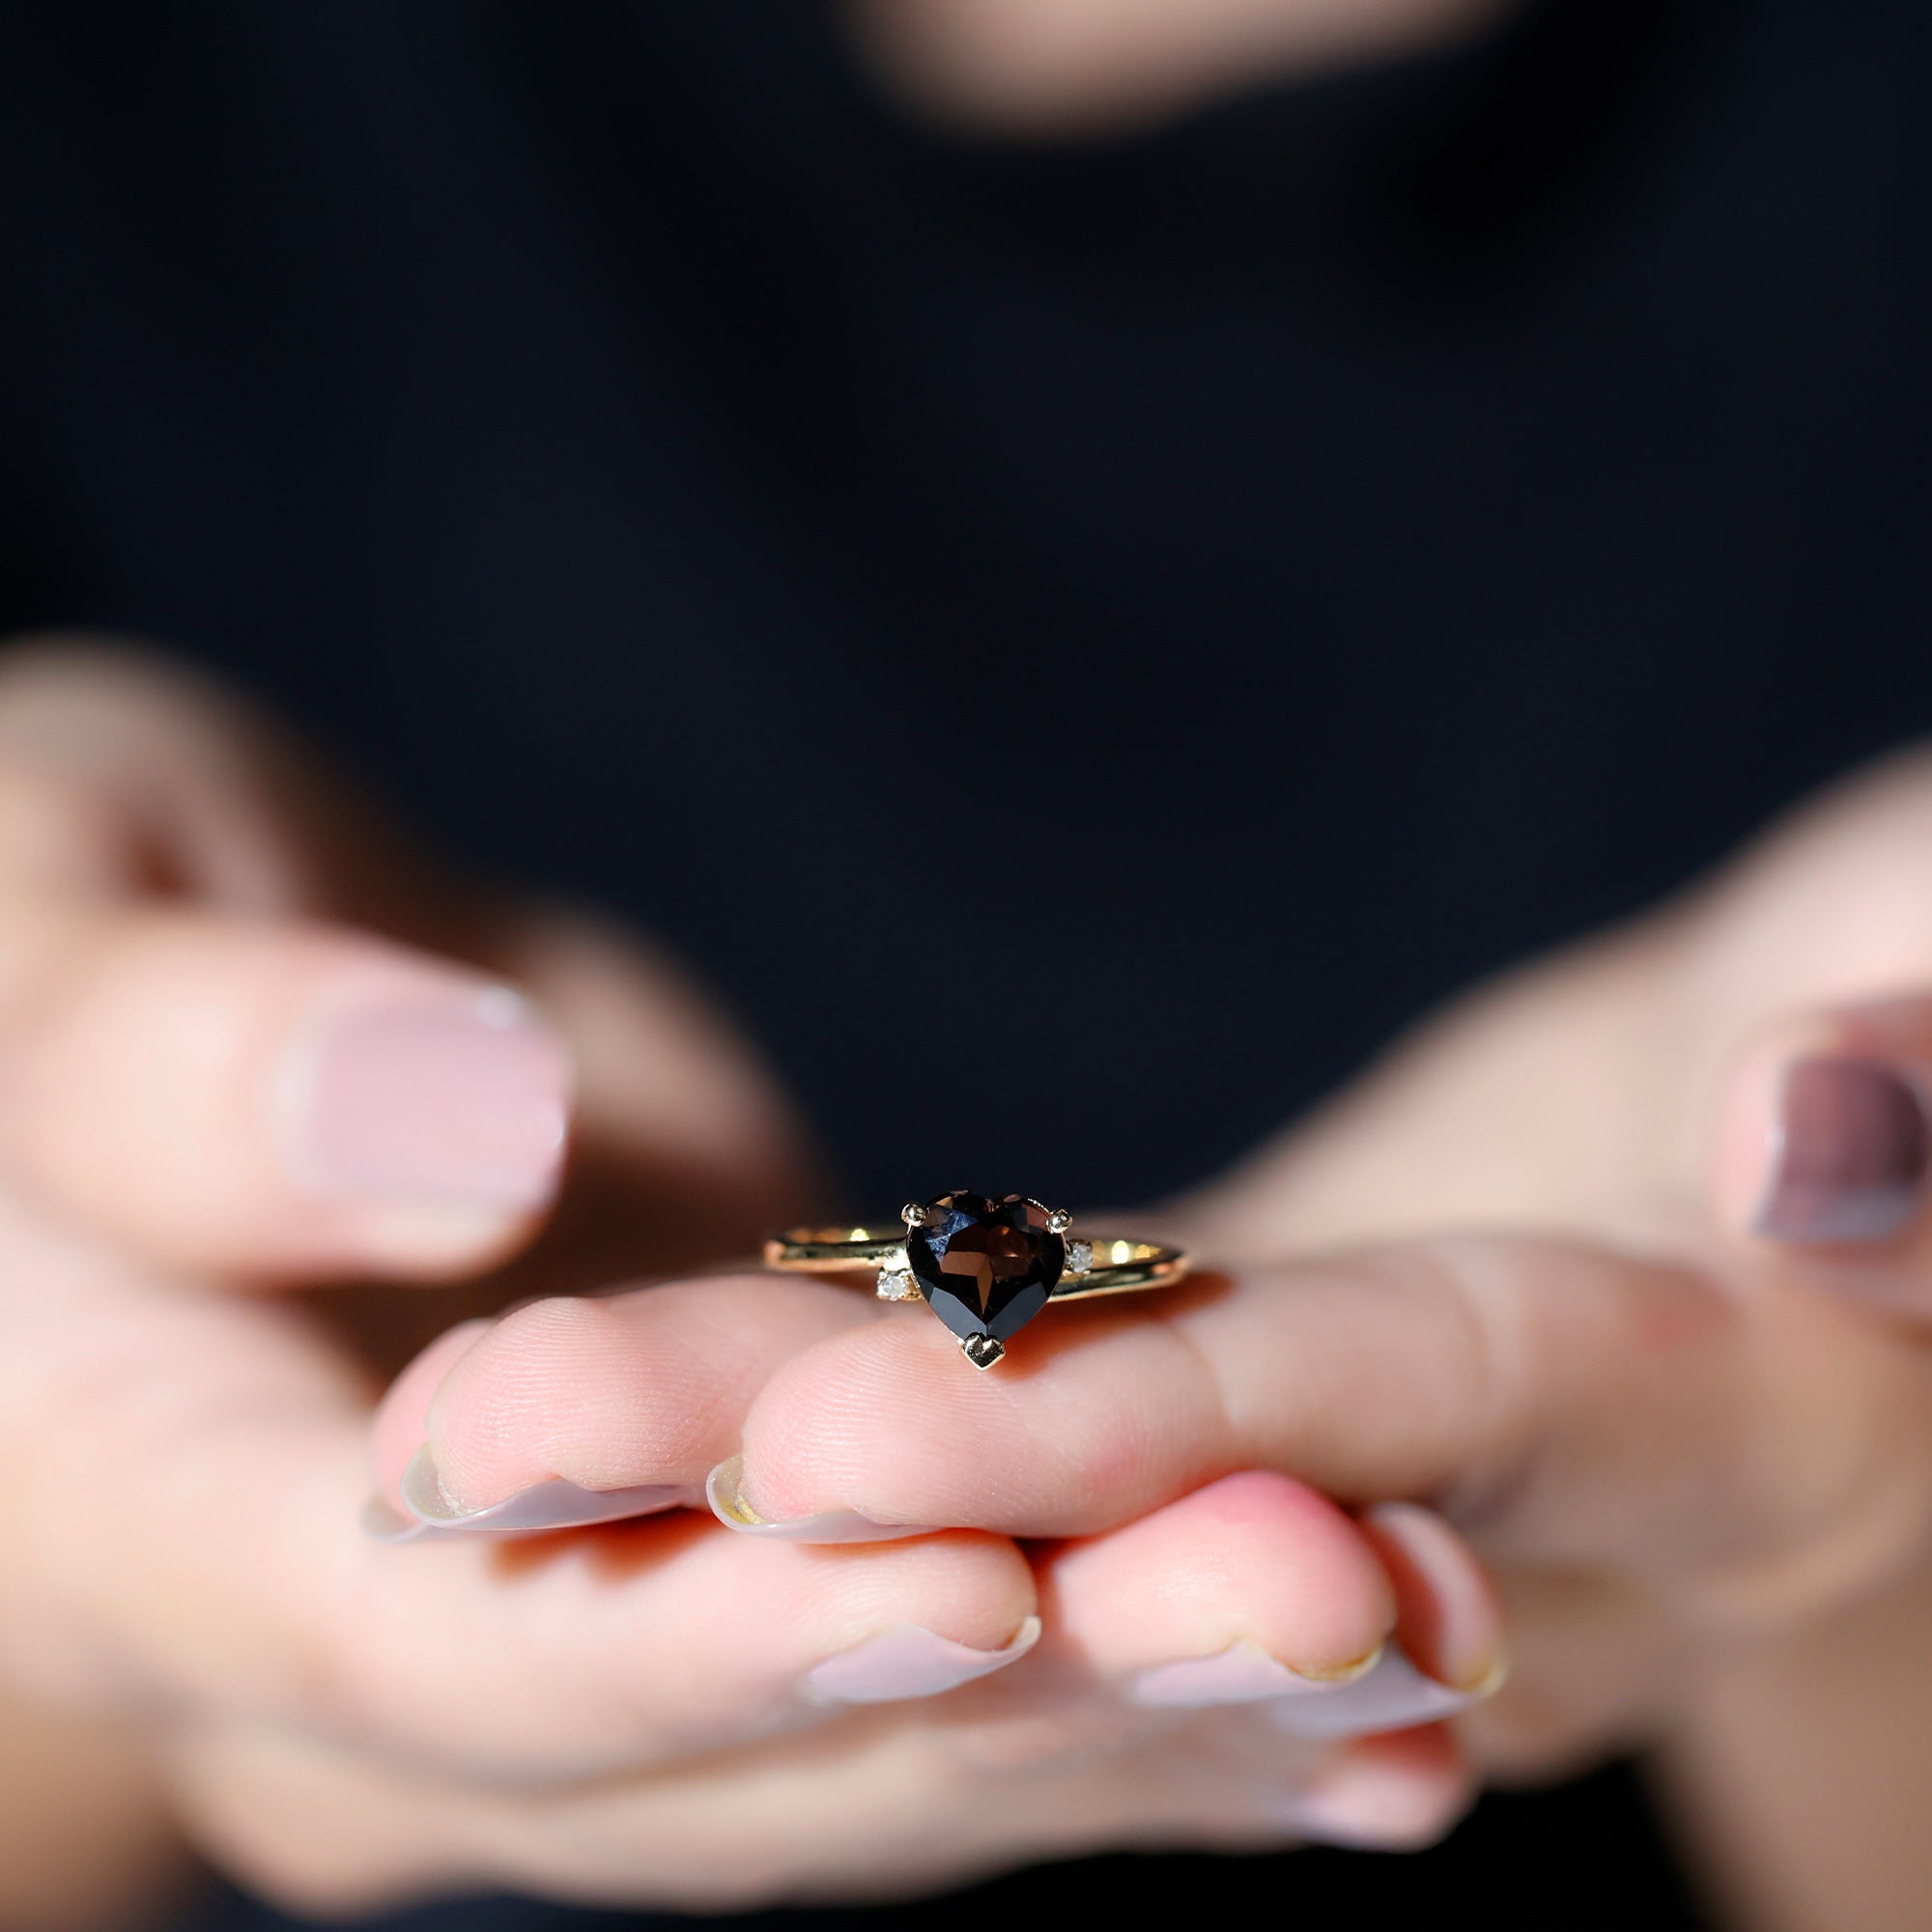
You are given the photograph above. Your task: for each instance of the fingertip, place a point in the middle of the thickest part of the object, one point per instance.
(1448, 1617)
(430, 1109)
(401, 1420)
(602, 1395)
(1403, 1792)
(725, 1496)
(968, 1585)
(560, 1387)
(270, 1101)
(908, 1660)
(1250, 1587)
(889, 1422)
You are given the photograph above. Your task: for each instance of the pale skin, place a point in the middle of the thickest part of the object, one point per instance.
(1055, 68)
(1493, 1325)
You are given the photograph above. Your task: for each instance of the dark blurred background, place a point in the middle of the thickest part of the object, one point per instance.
(1151, 614)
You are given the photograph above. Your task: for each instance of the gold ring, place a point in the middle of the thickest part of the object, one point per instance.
(985, 1267)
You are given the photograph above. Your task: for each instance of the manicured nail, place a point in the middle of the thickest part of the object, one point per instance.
(1393, 1696)
(459, 1100)
(383, 1525)
(1448, 1609)
(1243, 1673)
(552, 1505)
(1850, 1153)
(909, 1661)
(1374, 1808)
(723, 1490)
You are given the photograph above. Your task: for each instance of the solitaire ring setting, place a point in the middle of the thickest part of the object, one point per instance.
(984, 1266)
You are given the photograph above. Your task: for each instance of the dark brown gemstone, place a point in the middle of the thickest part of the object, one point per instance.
(985, 1267)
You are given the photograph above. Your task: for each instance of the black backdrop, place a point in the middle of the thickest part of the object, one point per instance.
(1178, 604)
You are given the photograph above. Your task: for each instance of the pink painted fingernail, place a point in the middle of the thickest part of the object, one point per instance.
(555, 1504)
(454, 1101)
(723, 1490)
(1393, 1696)
(909, 1661)
(1243, 1673)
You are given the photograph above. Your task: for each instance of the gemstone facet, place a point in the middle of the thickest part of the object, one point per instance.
(986, 1266)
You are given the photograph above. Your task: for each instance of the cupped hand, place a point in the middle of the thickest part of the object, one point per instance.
(254, 1045)
(1678, 1432)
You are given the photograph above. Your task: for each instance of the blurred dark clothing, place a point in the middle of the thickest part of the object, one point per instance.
(1152, 616)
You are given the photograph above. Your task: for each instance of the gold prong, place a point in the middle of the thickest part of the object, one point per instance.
(913, 1213)
(1059, 1220)
(981, 1351)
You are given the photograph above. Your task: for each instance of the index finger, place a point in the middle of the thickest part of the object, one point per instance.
(1573, 1401)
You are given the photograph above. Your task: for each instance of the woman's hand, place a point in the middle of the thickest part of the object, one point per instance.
(1711, 1420)
(251, 1041)
(351, 1723)
(218, 1085)
(1688, 1443)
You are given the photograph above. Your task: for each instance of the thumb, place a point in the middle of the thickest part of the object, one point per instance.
(1587, 1091)
(1824, 1162)
(191, 1060)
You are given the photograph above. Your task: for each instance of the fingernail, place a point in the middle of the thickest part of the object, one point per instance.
(909, 1661)
(1375, 1807)
(383, 1525)
(1243, 1673)
(1393, 1696)
(1449, 1613)
(458, 1100)
(723, 1490)
(552, 1505)
(1850, 1150)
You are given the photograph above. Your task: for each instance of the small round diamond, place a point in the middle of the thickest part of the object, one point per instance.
(1079, 1257)
(897, 1285)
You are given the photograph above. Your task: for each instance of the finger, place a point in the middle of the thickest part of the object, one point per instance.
(400, 1423)
(1257, 1590)
(271, 1102)
(657, 1640)
(143, 778)
(122, 771)
(1581, 1091)
(683, 1146)
(1574, 1402)
(212, 1558)
(1598, 1666)
(575, 1410)
(1825, 1152)
(1399, 1792)
(1253, 1587)
(332, 1835)
(1449, 1619)
(127, 780)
